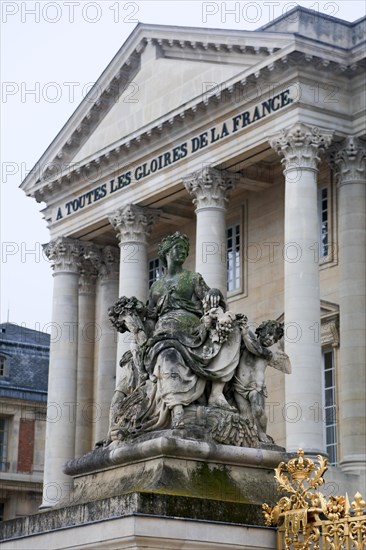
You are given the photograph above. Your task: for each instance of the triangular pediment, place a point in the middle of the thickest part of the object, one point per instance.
(161, 73)
(158, 70)
(162, 85)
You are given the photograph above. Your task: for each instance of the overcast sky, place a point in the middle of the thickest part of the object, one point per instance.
(68, 42)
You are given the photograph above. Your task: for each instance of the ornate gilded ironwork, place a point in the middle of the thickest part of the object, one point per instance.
(306, 519)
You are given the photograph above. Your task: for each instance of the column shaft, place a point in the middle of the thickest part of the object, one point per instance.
(302, 315)
(61, 410)
(106, 365)
(133, 225)
(350, 161)
(211, 247)
(85, 370)
(300, 146)
(210, 189)
(105, 261)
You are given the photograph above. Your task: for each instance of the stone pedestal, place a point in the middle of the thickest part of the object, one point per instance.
(168, 463)
(139, 521)
(166, 492)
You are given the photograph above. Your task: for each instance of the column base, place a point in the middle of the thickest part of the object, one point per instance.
(353, 464)
(309, 453)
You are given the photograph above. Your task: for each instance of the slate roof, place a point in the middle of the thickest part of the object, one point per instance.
(27, 360)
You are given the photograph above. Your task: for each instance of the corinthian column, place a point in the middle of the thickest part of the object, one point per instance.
(85, 370)
(300, 146)
(106, 263)
(210, 189)
(350, 162)
(133, 226)
(61, 417)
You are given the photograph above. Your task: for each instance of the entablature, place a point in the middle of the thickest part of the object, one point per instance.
(296, 52)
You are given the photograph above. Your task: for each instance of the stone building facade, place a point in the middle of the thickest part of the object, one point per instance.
(253, 144)
(24, 360)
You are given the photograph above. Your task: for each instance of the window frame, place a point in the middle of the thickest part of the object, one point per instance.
(160, 266)
(234, 260)
(4, 447)
(238, 216)
(327, 182)
(334, 424)
(4, 365)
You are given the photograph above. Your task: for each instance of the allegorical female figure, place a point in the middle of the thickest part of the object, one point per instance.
(184, 352)
(186, 348)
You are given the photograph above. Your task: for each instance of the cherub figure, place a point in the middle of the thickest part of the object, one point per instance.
(249, 386)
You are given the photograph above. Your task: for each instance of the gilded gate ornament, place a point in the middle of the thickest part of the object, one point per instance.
(306, 519)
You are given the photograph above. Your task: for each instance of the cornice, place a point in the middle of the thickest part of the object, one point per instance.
(298, 52)
(207, 50)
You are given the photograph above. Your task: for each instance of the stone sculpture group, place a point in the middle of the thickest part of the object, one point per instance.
(192, 364)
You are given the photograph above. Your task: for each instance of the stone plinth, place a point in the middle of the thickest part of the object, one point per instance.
(135, 521)
(169, 464)
(159, 493)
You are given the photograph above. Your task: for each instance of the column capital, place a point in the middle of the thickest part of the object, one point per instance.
(300, 145)
(105, 261)
(210, 187)
(133, 223)
(65, 254)
(88, 277)
(348, 159)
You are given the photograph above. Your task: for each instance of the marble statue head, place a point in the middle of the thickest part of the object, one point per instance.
(168, 242)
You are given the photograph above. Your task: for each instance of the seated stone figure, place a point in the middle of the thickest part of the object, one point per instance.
(181, 354)
(186, 348)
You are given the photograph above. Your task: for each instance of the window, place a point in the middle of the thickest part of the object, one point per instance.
(323, 214)
(2, 366)
(329, 406)
(233, 259)
(4, 426)
(155, 270)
